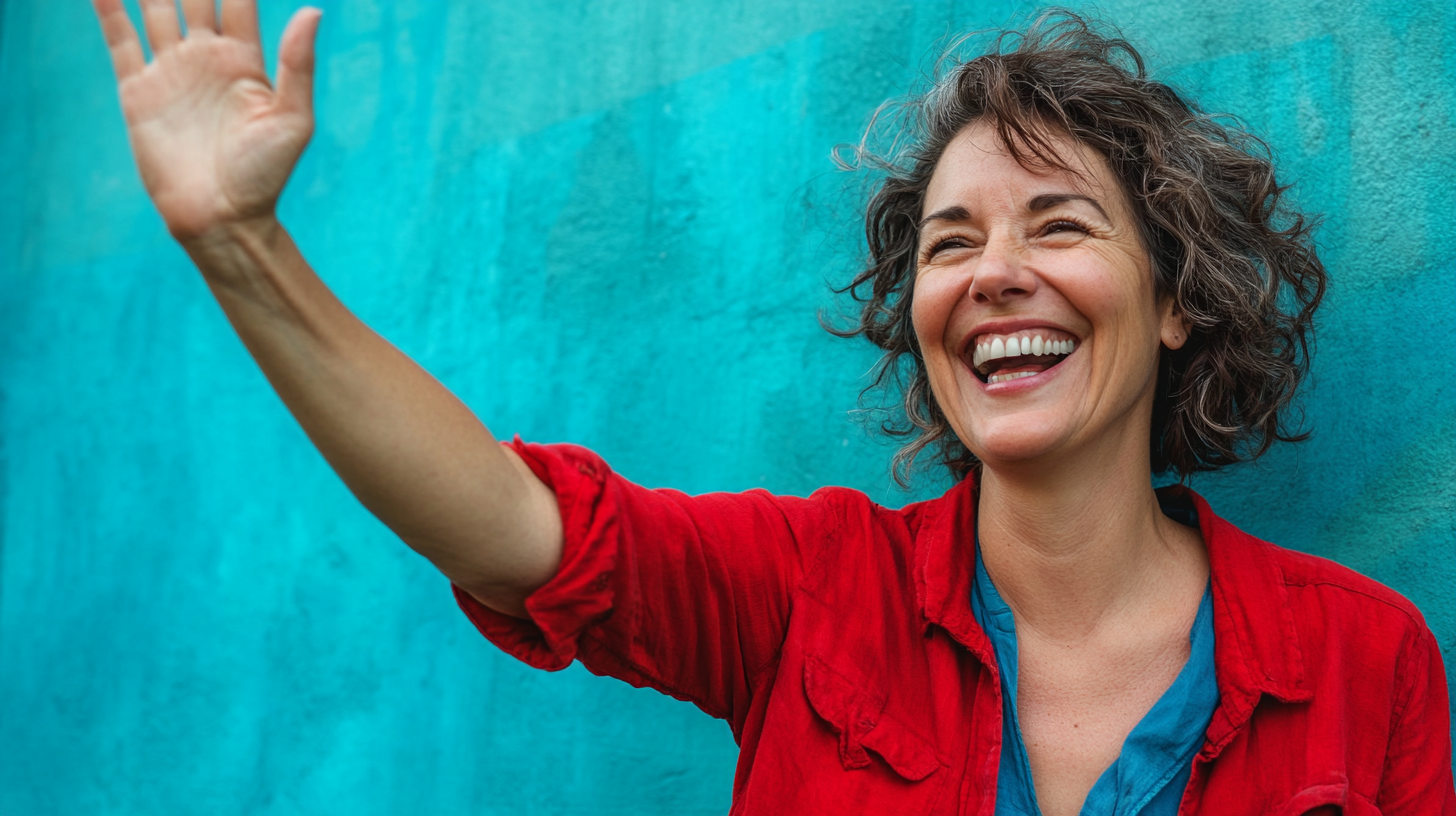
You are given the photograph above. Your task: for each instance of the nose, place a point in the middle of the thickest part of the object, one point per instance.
(1000, 276)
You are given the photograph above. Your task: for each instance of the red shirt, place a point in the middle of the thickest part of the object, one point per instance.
(836, 638)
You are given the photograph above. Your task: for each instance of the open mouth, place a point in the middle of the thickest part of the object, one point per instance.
(1003, 357)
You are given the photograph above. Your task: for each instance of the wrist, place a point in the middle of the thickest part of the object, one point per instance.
(233, 252)
(225, 236)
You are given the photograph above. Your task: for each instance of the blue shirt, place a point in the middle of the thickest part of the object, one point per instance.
(1148, 777)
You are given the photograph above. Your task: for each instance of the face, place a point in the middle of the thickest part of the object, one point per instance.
(1034, 304)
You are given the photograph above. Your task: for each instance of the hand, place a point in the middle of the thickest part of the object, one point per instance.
(213, 139)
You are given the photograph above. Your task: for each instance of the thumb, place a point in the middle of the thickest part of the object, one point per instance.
(295, 62)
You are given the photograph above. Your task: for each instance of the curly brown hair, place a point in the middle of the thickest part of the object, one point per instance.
(1237, 259)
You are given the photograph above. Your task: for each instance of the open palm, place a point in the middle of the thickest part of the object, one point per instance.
(213, 139)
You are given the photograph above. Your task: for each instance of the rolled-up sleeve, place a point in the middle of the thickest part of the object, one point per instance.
(689, 595)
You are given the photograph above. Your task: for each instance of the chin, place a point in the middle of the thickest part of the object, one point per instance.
(1014, 439)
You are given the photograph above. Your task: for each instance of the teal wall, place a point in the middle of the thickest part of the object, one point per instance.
(610, 223)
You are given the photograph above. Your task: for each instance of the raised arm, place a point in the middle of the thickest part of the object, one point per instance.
(215, 142)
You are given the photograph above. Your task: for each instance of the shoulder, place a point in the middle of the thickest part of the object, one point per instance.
(1308, 616)
(861, 542)
(1351, 624)
(1325, 598)
(1337, 584)
(850, 509)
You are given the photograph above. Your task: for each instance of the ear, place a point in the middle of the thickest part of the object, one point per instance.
(1174, 328)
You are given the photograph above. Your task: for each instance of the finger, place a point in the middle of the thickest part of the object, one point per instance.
(160, 18)
(121, 38)
(240, 20)
(201, 15)
(296, 60)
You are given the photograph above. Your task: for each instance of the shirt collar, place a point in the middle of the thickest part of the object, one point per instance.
(1256, 644)
(945, 565)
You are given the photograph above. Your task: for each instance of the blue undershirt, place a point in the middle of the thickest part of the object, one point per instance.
(1148, 777)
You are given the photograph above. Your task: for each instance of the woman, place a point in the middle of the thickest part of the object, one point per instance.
(1085, 281)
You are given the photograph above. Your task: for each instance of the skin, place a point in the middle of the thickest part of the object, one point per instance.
(1103, 586)
(215, 142)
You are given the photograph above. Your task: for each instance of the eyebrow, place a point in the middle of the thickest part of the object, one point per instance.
(1041, 202)
(947, 214)
(1046, 202)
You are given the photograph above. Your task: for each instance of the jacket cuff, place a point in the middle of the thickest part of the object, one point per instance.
(580, 595)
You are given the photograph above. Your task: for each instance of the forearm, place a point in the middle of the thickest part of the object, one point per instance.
(412, 453)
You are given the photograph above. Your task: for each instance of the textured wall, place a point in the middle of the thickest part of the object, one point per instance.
(609, 223)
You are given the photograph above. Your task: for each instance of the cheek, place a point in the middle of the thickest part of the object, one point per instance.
(930, 311)
(1097, 295)
(1114, 300)
(1118, 301)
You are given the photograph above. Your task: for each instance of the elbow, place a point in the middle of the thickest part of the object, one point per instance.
(497, 597)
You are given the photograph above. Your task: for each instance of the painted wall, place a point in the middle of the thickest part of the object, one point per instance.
(610, 223)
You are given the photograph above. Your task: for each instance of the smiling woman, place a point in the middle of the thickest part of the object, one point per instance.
(1200, 201)
(1084, 280)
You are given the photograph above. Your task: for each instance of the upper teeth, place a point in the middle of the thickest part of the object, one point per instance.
(1018, 346)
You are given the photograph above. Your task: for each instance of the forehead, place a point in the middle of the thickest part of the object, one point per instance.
(978, 173)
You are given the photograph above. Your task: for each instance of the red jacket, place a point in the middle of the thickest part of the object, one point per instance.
(836, 638)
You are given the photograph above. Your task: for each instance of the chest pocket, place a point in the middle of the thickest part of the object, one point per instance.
(884, 759)
(1328, 800)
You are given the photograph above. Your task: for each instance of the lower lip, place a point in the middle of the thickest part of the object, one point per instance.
(1021, 384)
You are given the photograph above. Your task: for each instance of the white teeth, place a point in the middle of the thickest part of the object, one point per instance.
(1015, 375)
(1036, 345)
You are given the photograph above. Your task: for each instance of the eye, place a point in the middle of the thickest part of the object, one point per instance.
(1063, 225)
(949, 242)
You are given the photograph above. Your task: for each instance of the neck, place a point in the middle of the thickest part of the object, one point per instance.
(1079, 544)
